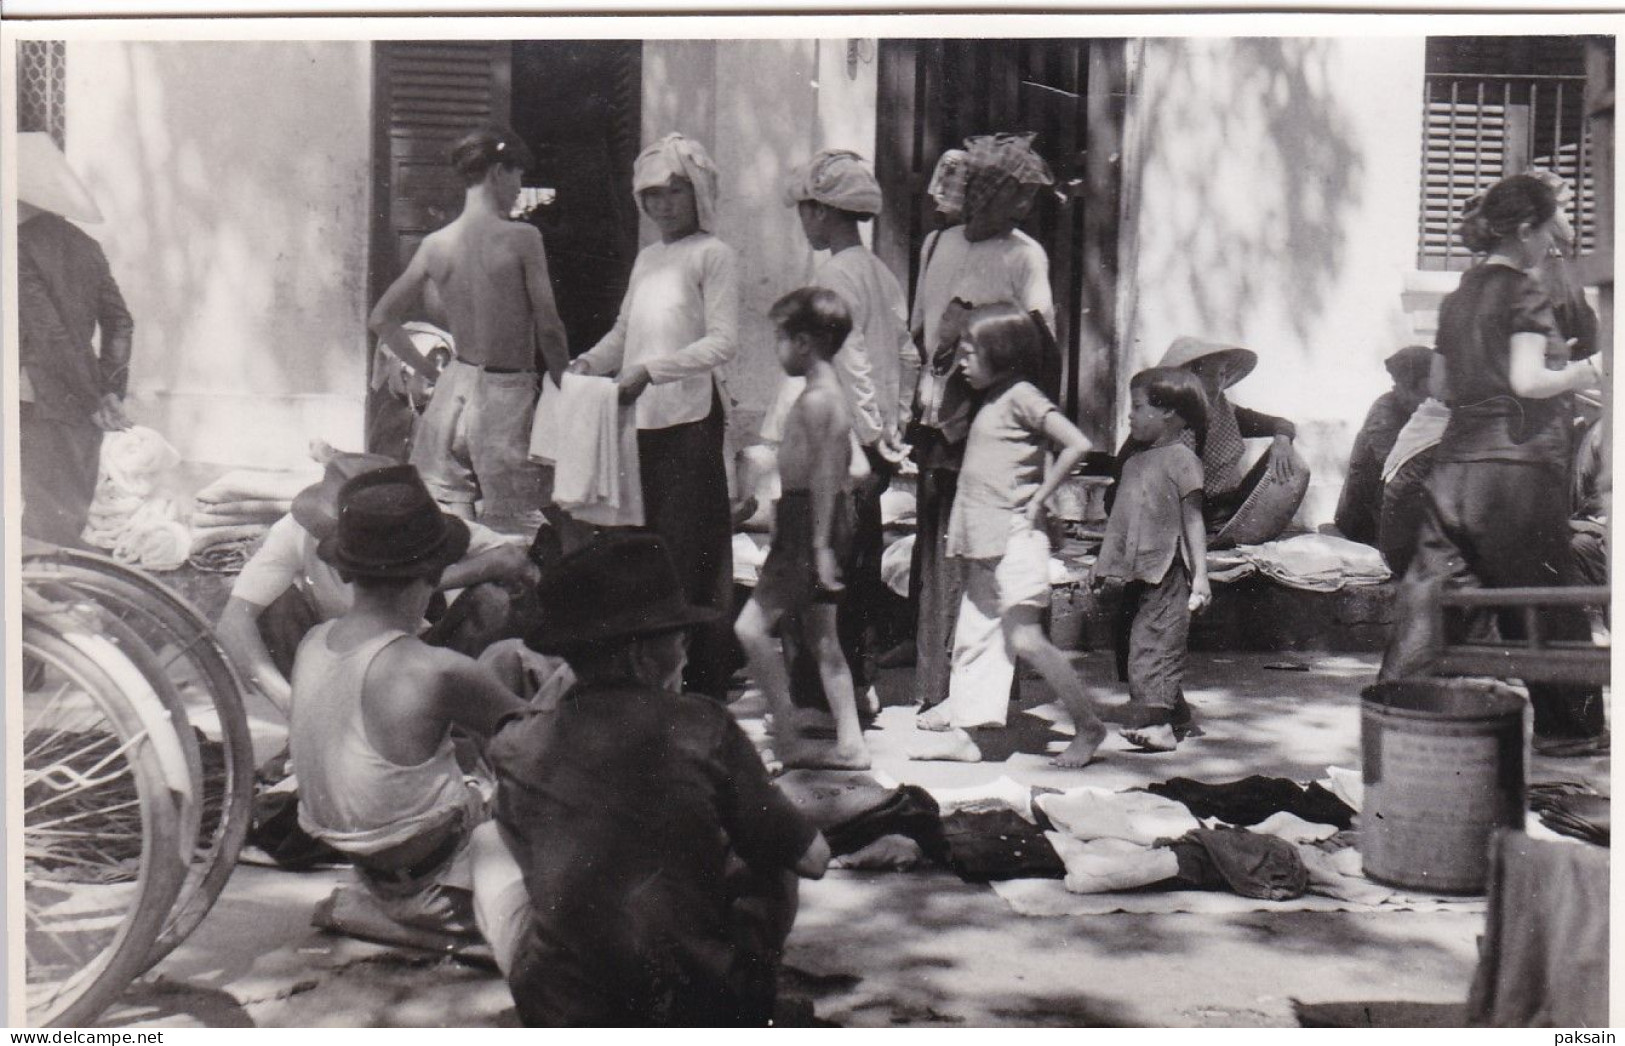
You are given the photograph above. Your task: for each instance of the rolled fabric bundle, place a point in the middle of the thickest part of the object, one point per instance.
(258, 485)
(207, 537)
(230, 516)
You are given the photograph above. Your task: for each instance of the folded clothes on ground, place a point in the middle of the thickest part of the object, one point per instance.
(1252, 799)
(999, 844)
(1095, 813)
(1111, 865)
(889, 853)
(1242, 862)
(1004, 794)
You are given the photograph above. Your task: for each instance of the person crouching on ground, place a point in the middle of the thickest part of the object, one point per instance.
(812, 529)
(371, 718)
(997, 528)
(1154, 556)
(660, 860)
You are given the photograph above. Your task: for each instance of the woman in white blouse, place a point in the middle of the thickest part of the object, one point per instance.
(678, 323)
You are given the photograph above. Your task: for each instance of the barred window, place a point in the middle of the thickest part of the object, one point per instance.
(1492, 107)
(41, 68)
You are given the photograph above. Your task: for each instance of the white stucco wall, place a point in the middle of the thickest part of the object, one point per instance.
(1277, 196)
(760, 107)
(234, 177)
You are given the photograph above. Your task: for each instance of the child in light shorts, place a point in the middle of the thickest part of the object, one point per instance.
(996, 527)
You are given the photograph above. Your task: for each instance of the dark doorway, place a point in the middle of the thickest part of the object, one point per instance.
(578, 104)
(935, 93)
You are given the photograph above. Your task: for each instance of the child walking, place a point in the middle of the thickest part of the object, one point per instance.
(996, 528)
(1155, 554)
(811, 532)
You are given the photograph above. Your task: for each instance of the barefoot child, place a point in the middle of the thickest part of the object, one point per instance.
(811, 527)
(997, 527)
(1155, 553)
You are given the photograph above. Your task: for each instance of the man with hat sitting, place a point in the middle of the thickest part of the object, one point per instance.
(1249, 507)
(285, 589)
(371, 718)
(659, 858)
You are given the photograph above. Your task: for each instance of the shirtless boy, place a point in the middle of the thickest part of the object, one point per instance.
(491, 277)
(812, 523)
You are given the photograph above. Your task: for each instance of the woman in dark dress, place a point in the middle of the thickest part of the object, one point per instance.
(1496, 504)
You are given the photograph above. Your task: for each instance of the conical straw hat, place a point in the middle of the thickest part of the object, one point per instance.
(45, 180)
(1186, 350)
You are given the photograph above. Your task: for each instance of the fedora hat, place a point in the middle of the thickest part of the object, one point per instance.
(1186, 350)
(316, 508)
(389, 526)
(619, 587)
(45, 180)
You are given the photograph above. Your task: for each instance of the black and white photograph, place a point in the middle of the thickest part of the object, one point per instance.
(885, 521)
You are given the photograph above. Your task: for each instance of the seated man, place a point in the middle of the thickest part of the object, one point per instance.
(1359, 508)
(660, 860)
(370, 724)
(286, 589)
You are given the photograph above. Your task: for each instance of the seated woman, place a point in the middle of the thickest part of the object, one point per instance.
(1359, 508)
(1273, 488)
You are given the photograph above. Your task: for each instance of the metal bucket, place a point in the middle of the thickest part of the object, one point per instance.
(1443, 768)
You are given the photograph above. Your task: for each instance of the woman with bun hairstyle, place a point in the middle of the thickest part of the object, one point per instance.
(1496, 504)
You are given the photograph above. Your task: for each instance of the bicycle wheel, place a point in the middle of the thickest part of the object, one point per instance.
(186, 647)
(102, 852)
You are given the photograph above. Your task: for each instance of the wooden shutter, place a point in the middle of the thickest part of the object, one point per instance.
(427, 94)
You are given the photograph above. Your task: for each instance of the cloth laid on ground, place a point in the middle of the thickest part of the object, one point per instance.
(1006, 793)
(1112, 865)
(999, 845)
(1579, 814)
(1243, 862)
(1050, 897)
(1319, 562)
(596, 477)
(1095, 813)
(1252, 799)
(1543, 959)
(130, 515)
(853, 810)
(1346, 784)
(1293, 828)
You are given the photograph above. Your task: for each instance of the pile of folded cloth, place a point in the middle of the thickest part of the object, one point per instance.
(132, 515)
(231, 514)
(1258, 837)
(1572, 809)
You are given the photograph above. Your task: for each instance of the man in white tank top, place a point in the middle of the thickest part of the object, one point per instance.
(371, 719)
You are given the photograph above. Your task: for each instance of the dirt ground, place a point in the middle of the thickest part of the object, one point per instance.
(922, 948)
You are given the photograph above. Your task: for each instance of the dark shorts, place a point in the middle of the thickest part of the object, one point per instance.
(789, 578)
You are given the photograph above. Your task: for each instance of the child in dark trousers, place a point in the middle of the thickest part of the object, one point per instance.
(812, 526)
(1154, 556)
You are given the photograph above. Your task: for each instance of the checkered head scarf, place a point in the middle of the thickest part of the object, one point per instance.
(679, 156)
(836, 178)
(993, 159)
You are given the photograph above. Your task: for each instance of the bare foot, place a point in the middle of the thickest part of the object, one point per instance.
(800, 756)
(934, 720)
(1081, 752)
(953, 746)
(1152, 738)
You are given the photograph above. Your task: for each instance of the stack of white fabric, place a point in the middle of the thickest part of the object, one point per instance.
(132, 516)
(242, 504)
(1319, 562)
(592, 442)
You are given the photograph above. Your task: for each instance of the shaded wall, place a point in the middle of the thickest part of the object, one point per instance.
(760, 107)
(1274, 205)
(234, 179)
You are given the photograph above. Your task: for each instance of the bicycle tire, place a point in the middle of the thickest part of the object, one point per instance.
(87, 663)
(181, 631)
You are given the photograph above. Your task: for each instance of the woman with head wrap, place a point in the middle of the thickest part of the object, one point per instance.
(1496, 505)
(677, 326)
(878, 364)
(984, 261)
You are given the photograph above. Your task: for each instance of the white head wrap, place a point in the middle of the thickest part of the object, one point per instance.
(45, 180)
(837, 178)
(681, 157)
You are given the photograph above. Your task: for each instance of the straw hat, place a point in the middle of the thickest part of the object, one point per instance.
(1187, 350)
(45, 180)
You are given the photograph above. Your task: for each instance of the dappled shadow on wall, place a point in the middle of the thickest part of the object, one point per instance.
(1258, 179)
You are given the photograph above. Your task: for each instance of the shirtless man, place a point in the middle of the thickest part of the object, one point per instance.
(370, 722)
(491, 277)
(812, 526)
